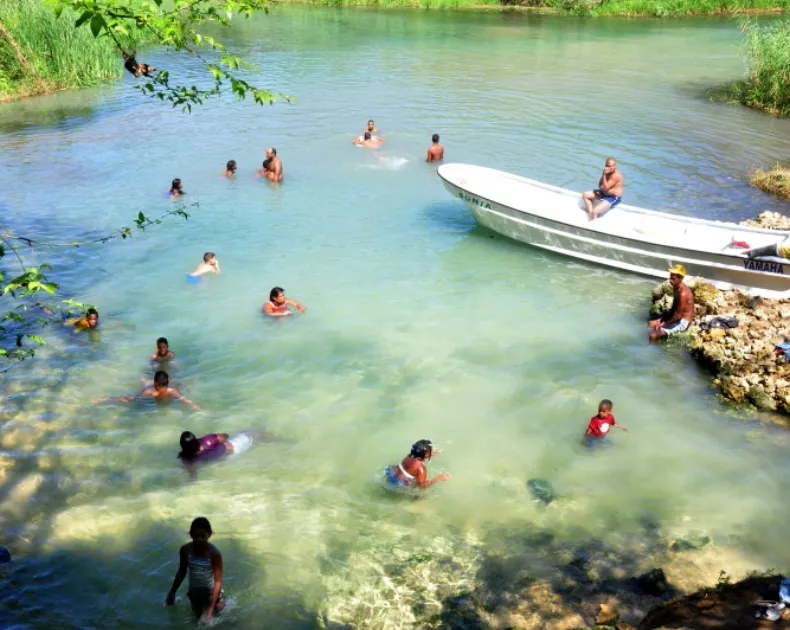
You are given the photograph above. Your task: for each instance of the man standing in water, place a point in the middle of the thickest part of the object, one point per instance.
(273, 167)
(435, 151)
(609, 192)
(682, 311)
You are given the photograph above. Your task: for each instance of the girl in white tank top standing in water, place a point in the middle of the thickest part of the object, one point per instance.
(203, 561)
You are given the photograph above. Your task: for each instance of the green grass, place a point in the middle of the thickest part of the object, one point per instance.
(634, 8)
(59, 55)
(767, 83)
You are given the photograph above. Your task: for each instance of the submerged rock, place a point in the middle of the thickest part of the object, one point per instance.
(654, 582)
(692, 541)
(542, 490)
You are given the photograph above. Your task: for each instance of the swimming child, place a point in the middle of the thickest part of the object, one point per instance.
(411, 472)
(163, 352)
(203, 562)
(88, 321)
(601, 423)
(176, 188)
(210, 264)
(278, 304)
(212, 445)
(230, 168)
(160, 390)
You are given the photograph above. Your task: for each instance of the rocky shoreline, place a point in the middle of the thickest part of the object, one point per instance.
(743, 360)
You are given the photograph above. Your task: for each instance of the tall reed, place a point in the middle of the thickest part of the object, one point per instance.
(57, 54)
(767, 52)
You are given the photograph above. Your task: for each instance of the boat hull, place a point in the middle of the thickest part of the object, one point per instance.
(758, 277)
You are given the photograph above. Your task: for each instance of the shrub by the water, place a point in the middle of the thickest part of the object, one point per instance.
(40, 52)
(776, 181)
(767, 84)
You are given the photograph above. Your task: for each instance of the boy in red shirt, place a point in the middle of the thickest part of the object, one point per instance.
(601, 423)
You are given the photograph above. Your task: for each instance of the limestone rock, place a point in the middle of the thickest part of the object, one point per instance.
(769, 220)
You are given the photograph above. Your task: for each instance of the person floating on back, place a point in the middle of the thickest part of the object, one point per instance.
(682, 311)
(203, 562)
(272, 166)
(435, 151)
(88, 321)
(601, 423)
(368, 141)
(163, 352)
(411, 472)
(159, 390)
(230, 168)
(278, 304)
(177, 188)
(210, 264)
(608, 194)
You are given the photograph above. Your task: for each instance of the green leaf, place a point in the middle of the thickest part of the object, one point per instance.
(97, 23)
(83, 18)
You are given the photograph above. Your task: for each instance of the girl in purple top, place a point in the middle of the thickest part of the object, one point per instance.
(211, 446)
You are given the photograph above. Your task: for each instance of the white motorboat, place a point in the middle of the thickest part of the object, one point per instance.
(634, 239)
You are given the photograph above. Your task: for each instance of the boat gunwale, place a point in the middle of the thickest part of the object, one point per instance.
(566, 192)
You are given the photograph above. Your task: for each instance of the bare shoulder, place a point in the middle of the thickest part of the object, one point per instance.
(213, 550)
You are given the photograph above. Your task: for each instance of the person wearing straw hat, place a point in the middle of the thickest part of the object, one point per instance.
(682, 311)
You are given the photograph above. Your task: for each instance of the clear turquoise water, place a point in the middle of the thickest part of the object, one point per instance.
(418, 325)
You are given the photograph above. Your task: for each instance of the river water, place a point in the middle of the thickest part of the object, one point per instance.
(419, 324)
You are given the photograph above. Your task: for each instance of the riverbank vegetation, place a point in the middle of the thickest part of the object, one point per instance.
(628, 8)
(40, 52)
(767, 83)
(775, 181)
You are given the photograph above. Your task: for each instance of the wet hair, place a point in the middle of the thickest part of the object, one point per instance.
(92, 311)
(421, 449)
(176, 184)
(367, 135)
(161, 378)
(275, 292)
(201, 522)
(162, 340)
(190, 445)
(435, 137)
(266, 163)
(606, 403)
(208, 256)
(231, 165)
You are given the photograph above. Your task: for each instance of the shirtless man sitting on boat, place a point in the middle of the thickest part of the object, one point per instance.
(682, 311)
(609, 192)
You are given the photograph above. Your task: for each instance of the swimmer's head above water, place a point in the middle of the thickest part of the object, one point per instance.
(91, 318)
(190, 445)
(231, 166)
(176, 187)
(161, 380)
(421, 449)
(209, 257)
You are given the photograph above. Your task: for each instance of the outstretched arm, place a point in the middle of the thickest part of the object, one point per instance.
(180, 575)
(297, 305)
(184, 399)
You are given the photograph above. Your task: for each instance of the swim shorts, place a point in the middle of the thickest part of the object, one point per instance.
(612, 200)
(193, 279)
(240, 443)
(675, 327)
(393, 479)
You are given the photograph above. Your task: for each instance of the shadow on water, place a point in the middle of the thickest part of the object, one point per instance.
(43, 116)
